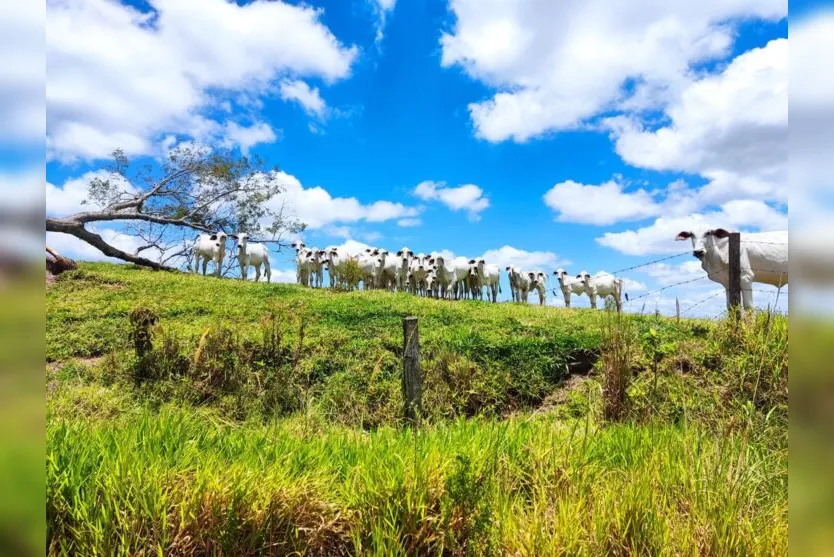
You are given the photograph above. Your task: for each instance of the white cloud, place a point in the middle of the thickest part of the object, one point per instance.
(554, 65)
(659, 237)
(408, 223)
(72, 247)
(381, 9)
(603, 204)
(68, 199)
(665, 274)
(247, 137)
(731, 128)
(318, 209)
(118, 77)
(284, 276)
(22, 72)
(468, 197)
(308, 97)
(527, 260)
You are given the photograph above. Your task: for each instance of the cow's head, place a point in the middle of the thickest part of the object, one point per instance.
(298, 245)
(585, 277)
(702, 241)
(406, 254)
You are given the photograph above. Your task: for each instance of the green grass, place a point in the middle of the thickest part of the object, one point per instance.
(265, 419)
(181, 482)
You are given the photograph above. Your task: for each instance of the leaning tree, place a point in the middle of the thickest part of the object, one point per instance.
(163, 205)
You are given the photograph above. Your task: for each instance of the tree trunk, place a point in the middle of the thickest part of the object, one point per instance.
(77, 229)
(58, 264)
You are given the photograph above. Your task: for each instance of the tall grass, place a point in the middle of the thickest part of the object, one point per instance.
(180, 482)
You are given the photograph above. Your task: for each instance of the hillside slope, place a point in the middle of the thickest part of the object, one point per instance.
(265, 419)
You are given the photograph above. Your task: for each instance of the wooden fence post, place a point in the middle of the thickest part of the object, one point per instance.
(412, 377)
(735, 270)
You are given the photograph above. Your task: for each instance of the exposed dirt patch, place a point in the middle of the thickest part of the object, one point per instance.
(560, 395)
(53, 367)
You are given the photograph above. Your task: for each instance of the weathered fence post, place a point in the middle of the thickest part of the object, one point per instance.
(735, 270)
(412, 377)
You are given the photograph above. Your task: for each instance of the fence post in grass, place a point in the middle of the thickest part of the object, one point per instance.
(678, 309)
(735, 270)
(412, 378)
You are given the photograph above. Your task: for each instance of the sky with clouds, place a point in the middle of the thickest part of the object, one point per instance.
(576, 134)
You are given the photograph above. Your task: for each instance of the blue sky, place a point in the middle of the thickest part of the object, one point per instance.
(565, 123)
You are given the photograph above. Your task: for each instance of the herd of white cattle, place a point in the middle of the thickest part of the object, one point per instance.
(764, 259)
(436, 276)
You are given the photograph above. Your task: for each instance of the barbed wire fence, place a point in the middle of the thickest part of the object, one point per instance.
(713, 276)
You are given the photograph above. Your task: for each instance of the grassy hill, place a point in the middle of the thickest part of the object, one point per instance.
(266, 419)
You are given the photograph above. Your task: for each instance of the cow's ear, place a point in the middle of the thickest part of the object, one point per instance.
(213, 237)
(472, 262)
(400, 253)
(683, 235)
(720, 233)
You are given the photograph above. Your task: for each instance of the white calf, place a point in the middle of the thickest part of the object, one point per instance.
(210, 247)
(538, 282)
(569, 285)
(603, 285)
(405, 256)
(388, 270)
(446, 275)
(487, 276)
(252, 255)
(764, 259)
(520, 282)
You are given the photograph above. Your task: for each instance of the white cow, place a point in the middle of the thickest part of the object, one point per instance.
(420, 267)
(764, 258)
(463, 285)
(316, 265)
(512, 276)
(486, 276)
(337, 261)
(252, 255)
(405, 255)
(446, 275)
(603, 285)
(388, 270)
(569, 285)
(210, 247)
(520, 282)
(538, 282)
(368, 268)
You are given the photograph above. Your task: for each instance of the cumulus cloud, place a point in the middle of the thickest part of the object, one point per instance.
(554, 65)
(121, 77)
(468, 197)
(527, 260)
(731, 128)
(308, 97)
(246, 137)
(318, 209)
(599, 204)
(69, 198)
(659, 237)
(72, 247)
